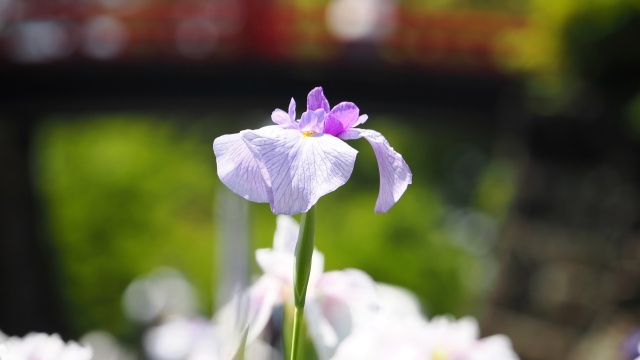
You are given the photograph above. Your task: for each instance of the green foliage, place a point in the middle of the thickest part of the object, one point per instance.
(124, 195)
(570, 46)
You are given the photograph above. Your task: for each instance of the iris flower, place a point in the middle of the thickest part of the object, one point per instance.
(292, 164)
(335, 301)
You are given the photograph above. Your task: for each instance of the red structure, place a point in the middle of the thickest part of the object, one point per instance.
(34, 31)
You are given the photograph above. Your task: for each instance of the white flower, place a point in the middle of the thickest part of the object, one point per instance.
(182, 338)
(3, 353)
(446, 338)
(39, 346)
(198, 338)
(384, 337)
(164, 292)
(410, 337)
(333, 300)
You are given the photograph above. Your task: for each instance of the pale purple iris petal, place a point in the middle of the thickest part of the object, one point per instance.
(280, 117)
(292, 109)
(346, 113)
(239, 169)
(361, 120)
(395, 174)
(312, 121)
(301, 168)
(316, 100)
(284, 120)
(333, 126)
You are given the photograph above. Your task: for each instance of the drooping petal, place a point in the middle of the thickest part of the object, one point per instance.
(301, 168)
(342, 117)
(395, 174)
(238, 168)
(316, 100)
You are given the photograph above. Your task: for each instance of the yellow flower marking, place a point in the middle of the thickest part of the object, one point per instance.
(440, 354)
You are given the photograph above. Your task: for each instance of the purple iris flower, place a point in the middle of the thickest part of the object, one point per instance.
(292, 164)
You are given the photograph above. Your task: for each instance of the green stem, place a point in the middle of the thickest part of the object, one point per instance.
(295, 339)
(301, 272)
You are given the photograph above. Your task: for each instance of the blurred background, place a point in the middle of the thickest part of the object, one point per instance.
(519, 119)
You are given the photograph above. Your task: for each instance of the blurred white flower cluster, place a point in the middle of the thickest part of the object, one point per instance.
(39, 346)
(348, 317)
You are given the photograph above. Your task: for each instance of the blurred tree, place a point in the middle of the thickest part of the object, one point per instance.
(573, 45)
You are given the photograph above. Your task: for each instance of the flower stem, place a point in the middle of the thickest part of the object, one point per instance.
(295, 339)
(301, 272)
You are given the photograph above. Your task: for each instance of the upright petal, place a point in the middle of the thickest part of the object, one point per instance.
(342, 117)
(395, 174)
(280, 117)
(332, 126)
(239, 169)
(361, 120)
(312, 121)
(316, 100)
(292, 109)
(301, 168)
